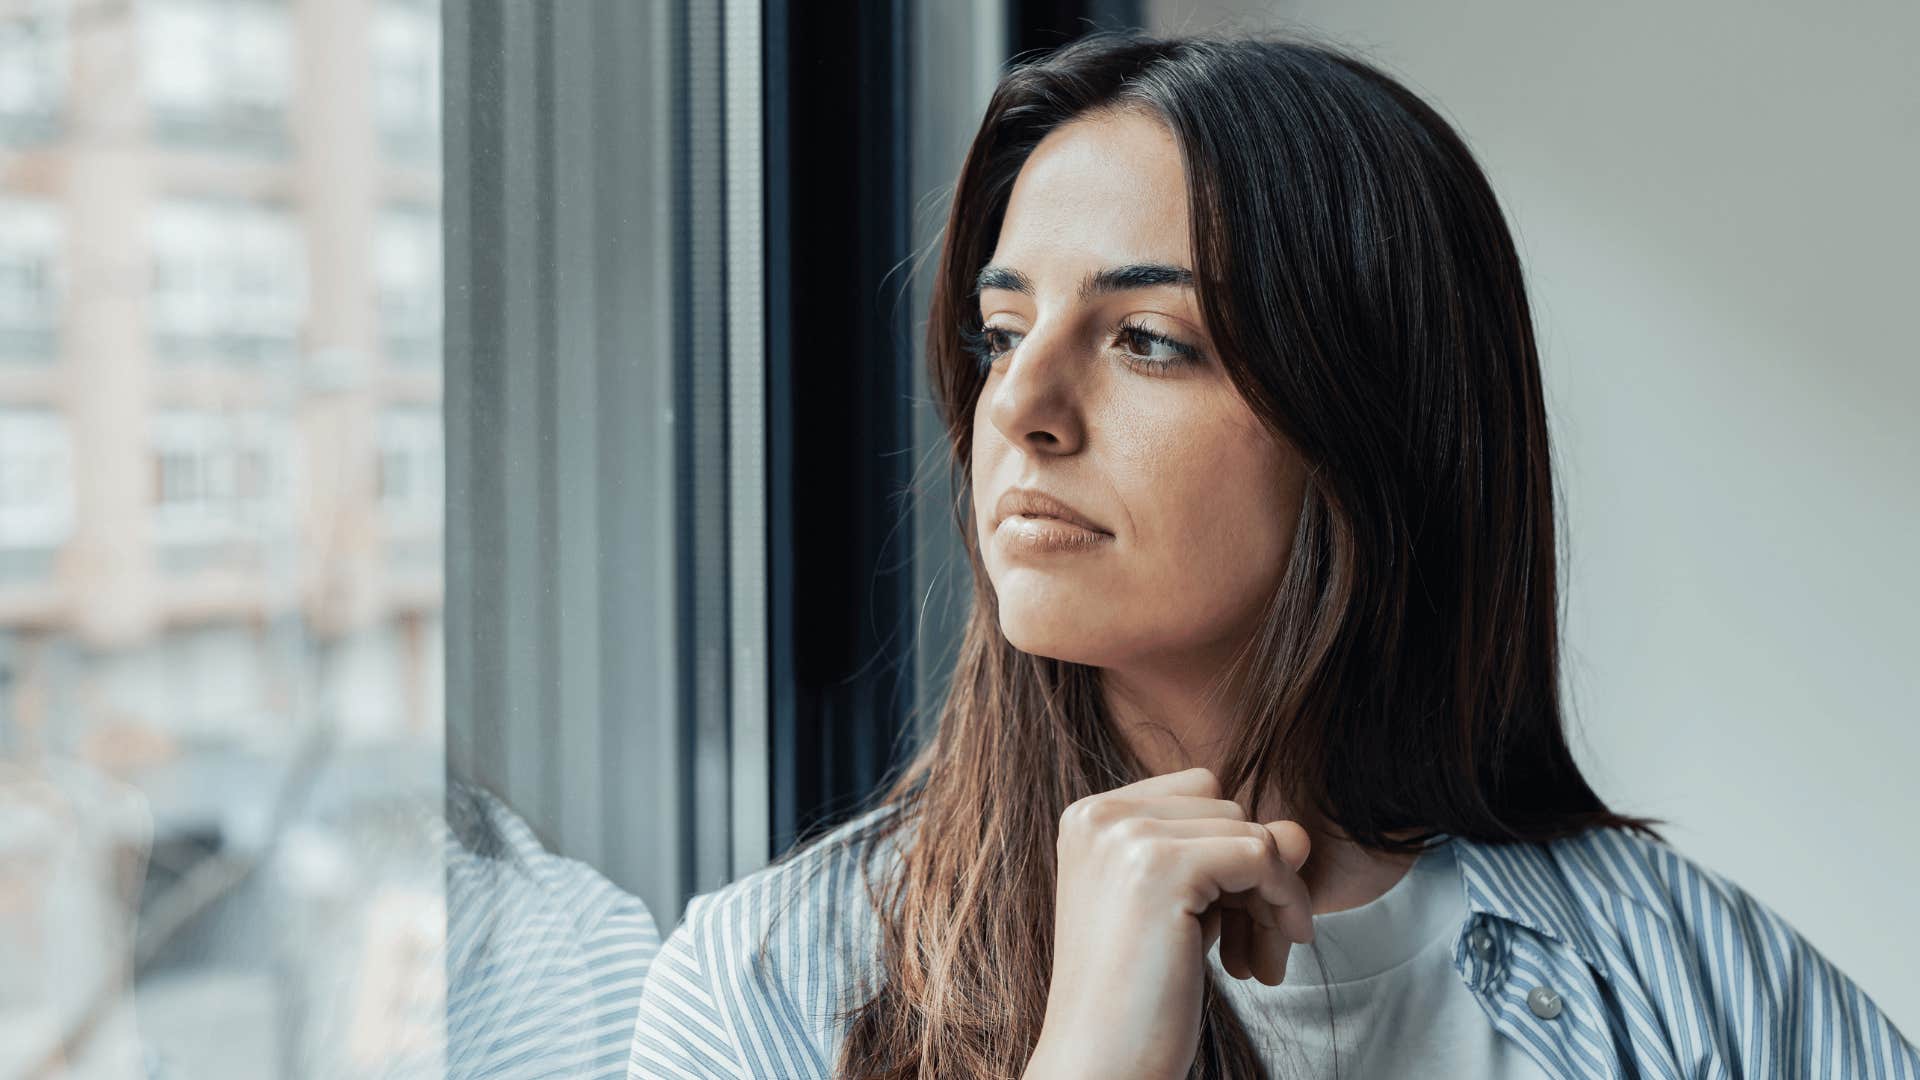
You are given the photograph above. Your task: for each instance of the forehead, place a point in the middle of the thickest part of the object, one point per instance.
(1106, 189)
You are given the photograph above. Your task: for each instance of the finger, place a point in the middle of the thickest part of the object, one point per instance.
(1195, 781)
(1237, 863)
(1210, 927)
(1267, 948)
(1236, 942)
(1182, 806)
(1256, 906)
(1295, 845)
(1272, 949)
(1293, 840)
(1186, 828)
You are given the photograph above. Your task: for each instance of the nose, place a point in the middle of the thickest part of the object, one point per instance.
(1036, 404)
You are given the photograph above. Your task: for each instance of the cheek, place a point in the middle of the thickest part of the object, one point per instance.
(1213, 506)
(983, 458)
(980, 460)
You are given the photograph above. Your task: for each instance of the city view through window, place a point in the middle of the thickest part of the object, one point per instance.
(221, 721)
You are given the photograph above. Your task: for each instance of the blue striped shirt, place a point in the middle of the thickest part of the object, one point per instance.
(545, 957)
(1599, 956)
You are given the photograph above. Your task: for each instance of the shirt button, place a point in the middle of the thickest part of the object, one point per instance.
(1482, 942)
(1544, 1002)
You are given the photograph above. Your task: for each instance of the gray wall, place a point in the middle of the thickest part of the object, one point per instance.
(1714, 201)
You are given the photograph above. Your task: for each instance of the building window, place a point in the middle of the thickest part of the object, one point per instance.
(406, 78)
(219, 72)
(407, 274)
(33, 69)
(30, 248)
(229, 281)
(410, 465)
(221, 476)
(36, 478)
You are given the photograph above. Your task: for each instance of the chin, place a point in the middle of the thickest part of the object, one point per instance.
(1056, 631)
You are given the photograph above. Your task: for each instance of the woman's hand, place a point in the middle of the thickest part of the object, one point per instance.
(1149, 876)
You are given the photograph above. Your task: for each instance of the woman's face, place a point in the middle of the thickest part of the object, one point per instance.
(1195, 499)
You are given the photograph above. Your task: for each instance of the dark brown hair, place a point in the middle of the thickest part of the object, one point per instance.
(1362, 290)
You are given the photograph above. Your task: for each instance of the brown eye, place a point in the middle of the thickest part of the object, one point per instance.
(987, 344)
(1133, 336)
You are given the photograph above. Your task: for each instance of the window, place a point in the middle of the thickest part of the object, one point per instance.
(407, 273)
(229, 281)
(240, 674)
(410, 466)
(33, 69)
(221, 706)
(221, 476)
(36, 478)
(30, 283)
(219, 72)
(406, 77)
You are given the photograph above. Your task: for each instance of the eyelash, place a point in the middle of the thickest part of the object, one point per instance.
(975, 343)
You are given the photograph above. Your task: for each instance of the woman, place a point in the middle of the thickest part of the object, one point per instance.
(1253, 762)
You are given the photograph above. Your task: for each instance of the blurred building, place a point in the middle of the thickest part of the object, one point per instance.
(219, 365)
(220, 433)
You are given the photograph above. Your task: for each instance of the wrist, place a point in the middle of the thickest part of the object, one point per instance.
(1052, 1062)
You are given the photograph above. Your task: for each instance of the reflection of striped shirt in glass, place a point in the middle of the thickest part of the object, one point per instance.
(1599, 956)
(545, 956)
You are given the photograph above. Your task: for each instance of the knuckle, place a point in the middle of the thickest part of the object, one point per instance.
(1103, 813)
(1078, 815)
(1144, 859)
(1208, 781)
(1130, 830)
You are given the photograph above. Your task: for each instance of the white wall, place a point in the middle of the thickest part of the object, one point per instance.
(1715, 202)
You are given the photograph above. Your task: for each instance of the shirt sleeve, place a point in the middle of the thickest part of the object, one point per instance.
(1803, 1016)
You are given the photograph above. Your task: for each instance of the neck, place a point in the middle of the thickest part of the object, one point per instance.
(1172, 721)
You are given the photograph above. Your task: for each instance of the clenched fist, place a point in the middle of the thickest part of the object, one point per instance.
(1150, 875)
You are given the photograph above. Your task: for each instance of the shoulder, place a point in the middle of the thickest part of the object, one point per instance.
(1633, 868)
(1681, 923)
(613, 920)
(1644, 880)
(751, 980)
(820, 886)
(546, 957)
(1644, 877)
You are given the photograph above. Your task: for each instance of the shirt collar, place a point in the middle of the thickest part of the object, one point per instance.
(1526, 883)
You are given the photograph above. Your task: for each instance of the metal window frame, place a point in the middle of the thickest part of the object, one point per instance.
(587, 615)
(701, 572)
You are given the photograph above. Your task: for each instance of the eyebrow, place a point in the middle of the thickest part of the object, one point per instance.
(1110, 280)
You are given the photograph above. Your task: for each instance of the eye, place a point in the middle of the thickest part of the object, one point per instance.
(1141, 348)
(989, 343)
(1138, 344)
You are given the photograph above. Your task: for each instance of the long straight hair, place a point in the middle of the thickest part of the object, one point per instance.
(1359, 280)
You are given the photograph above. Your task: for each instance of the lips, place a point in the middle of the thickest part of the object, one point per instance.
(1031, 502)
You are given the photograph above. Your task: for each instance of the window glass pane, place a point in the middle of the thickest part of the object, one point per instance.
(33, 69)
(31, 241)
(221, 523)
(219, 72)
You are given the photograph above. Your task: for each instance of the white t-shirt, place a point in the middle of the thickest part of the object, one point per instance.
(1390, 1001)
